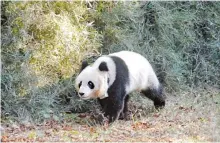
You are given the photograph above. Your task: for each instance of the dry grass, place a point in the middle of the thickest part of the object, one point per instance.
(187, 117)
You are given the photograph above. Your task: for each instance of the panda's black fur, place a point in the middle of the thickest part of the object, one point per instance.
(117, 100)
(113, 104)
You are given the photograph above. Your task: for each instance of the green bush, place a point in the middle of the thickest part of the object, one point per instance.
(180, 39)
(43, 44)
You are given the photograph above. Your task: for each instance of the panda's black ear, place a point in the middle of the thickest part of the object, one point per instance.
(84, 65)
(103, 66)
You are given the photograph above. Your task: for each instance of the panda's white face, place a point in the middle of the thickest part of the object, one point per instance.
(91, 83)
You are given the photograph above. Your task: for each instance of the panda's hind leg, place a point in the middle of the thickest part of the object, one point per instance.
(156, 96)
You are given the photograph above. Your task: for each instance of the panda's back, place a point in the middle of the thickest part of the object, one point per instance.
(141, 73)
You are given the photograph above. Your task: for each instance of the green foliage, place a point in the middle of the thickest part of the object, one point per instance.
(57, 40)
(43, 44)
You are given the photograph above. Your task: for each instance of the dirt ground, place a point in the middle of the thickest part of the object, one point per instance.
(186, 117)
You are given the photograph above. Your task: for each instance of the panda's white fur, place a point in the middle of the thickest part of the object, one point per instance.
(141, 75)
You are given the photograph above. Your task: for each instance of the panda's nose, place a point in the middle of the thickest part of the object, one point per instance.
(81, 94)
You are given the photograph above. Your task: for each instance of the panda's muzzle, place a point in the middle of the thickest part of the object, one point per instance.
(81, 94)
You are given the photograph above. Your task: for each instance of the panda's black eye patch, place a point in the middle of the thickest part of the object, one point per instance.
(91, 85)
(80, 84)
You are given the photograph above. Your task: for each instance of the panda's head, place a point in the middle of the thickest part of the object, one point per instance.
(92, 82)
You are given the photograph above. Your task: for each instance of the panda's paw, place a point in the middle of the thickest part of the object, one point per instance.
(102, 119)
(128, 117)
(125, 116)
(159, 104)
(121, 116)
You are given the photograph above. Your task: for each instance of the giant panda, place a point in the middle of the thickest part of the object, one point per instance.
(111, 78)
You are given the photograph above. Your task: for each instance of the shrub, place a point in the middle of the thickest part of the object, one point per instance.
(180, 39)
(43, 44)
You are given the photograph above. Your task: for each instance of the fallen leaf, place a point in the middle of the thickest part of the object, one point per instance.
(32, 135)
(74, 132)
(82, 115)
(4, 138)
(67, 128)
(140, 125)
(156, 115)
(92, 130)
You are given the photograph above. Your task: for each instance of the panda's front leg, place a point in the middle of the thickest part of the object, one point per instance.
(124, 114)
(111, 107)
(115, 111)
